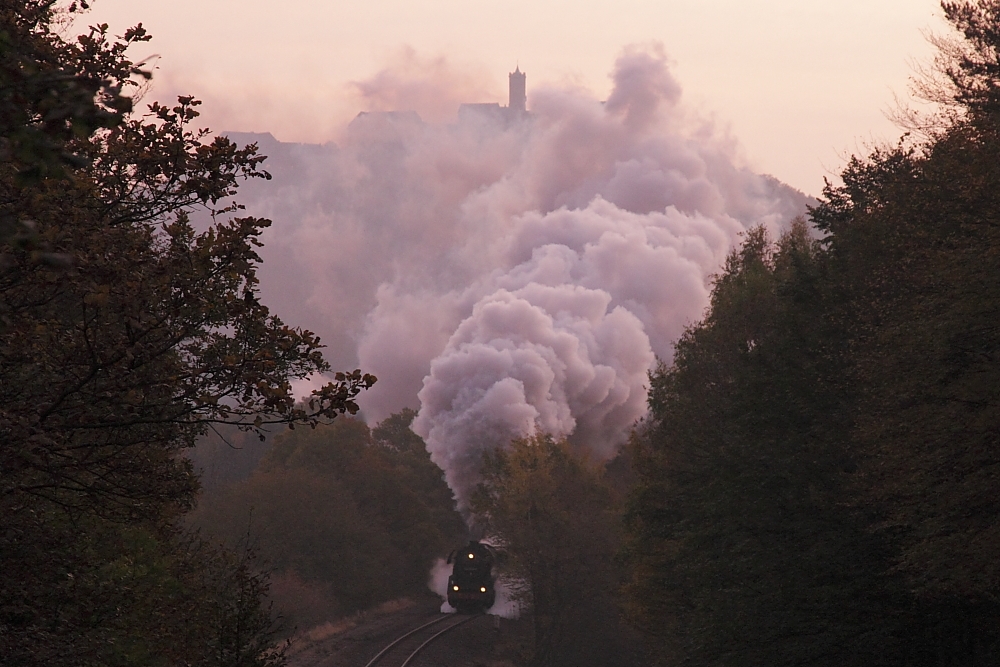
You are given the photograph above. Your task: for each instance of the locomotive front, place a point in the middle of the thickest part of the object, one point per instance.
(471, 586)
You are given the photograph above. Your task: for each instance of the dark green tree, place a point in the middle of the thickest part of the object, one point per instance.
(919, 273)
(51, 93)
(818, 475)
(126, 333)
(741, 550)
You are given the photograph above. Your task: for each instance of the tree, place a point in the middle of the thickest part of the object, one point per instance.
(142, 334)
(50, 95)
(356, 512)
(557, 522)
(740, 549)
(965, 79)
(818, 476)
(920, 286)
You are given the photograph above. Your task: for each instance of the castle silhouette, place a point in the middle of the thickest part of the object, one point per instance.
(474, 112)
(516, 108)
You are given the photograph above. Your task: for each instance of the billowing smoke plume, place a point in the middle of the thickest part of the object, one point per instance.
(511, 273)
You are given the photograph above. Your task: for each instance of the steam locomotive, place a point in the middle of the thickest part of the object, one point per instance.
(471, 586)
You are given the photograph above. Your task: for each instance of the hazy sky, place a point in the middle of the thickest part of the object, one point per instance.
(800, 83)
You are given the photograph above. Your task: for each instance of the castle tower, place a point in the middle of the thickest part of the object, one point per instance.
(518, 99)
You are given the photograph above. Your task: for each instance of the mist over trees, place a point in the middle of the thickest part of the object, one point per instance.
(347, 516)
(818, 472)
(124, 334)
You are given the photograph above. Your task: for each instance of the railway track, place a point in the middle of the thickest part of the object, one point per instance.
(402, 651)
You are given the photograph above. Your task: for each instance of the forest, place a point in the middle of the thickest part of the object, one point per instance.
(816, 481)
(818, 472)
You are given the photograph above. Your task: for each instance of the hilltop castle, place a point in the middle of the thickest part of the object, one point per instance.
(478, 112)
(516, 108)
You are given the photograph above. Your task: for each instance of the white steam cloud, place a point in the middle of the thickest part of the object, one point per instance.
(510, 274)
(438, 582)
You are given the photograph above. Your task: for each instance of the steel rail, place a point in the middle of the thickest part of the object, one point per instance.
(404, 637)
(435, 636)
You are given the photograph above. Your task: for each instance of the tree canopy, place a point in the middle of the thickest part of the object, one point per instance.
(819, 473)
(357, 513)
(125, 333)
(557, 521)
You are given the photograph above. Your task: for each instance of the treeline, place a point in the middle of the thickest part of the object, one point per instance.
(345, 516)
(819, 475)
(124, 334)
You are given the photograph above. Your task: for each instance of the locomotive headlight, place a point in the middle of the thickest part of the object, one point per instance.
(482, 589)
(454, 588)
(472, 555)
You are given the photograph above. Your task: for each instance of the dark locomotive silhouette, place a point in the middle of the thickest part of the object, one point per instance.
(471, 586)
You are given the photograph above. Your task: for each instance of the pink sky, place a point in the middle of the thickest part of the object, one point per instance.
(799, 83)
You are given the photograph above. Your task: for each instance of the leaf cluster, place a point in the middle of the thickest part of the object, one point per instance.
(56, 91)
